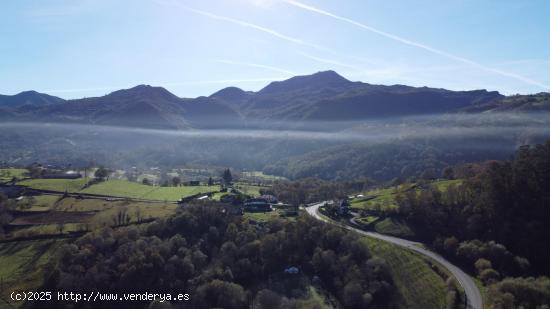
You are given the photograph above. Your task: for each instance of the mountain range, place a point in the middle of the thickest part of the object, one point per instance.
(323, 96)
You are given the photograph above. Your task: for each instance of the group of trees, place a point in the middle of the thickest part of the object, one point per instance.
(499, 211)
(102, 173)
(5, 216)
(407, 158)
(223, 261)
(311, 190)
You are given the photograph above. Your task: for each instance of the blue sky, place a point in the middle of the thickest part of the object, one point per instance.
(85, 48)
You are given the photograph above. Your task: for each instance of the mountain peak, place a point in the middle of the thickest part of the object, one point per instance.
(323, 79)
(328, 75)
(144, 91)
(230, 94)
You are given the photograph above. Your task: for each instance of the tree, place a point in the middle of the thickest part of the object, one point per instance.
(176, 181)
(210, 181)
(146, 181)
(227, 177)
(448, 173)
(101, 173)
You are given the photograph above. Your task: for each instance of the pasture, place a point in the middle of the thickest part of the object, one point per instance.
(123, 188)
(384, 198)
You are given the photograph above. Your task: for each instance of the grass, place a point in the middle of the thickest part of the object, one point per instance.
(395, 227)
(482, 289)
(22, 264)
(6, 174)
(384, 198)
(418, 284)
(43, 202)
(175, 193)
(367, 219)
(261, 175)
(123, 188)
(107, 209)
(104, 210)
(60, 185)
(249, 189)
(443, 185)
(48, 229)
(379, 198)
(146, 211)
(261, 216)
(314, 300)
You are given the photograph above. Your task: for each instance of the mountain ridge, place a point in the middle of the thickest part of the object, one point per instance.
(324, 95)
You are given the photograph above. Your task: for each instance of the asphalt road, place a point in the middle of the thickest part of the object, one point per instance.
(473, 296)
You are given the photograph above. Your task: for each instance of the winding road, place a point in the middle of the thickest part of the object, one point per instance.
(473, 296)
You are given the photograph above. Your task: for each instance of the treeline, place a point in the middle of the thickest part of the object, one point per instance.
(495, 223)
(225, 262)
(404, 159)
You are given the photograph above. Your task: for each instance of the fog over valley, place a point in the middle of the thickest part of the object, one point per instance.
(454, 137)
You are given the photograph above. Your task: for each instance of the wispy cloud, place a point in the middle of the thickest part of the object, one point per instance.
(255, 65)
(331, 62)
(418, 45)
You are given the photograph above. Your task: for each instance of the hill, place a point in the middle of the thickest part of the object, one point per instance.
(517, 103)
(28, 98)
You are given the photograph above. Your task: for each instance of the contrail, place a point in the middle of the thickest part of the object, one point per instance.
(255, 27)
(255, 65)
(240, 23)
(416, 44)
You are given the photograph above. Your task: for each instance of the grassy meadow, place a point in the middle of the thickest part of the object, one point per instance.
(419, 285)
(6, 174)
(384, 198)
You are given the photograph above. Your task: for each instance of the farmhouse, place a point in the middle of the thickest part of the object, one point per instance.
(257, 205)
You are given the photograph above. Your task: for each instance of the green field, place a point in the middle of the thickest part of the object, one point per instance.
(380, 198)
(6, 174)
(41, 202)
(123, 188)
(418, 284)
(60, 185)
(443, 185)
(249, 189)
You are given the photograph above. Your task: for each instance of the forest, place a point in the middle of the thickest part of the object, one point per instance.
(225, 262)
(495, 224)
